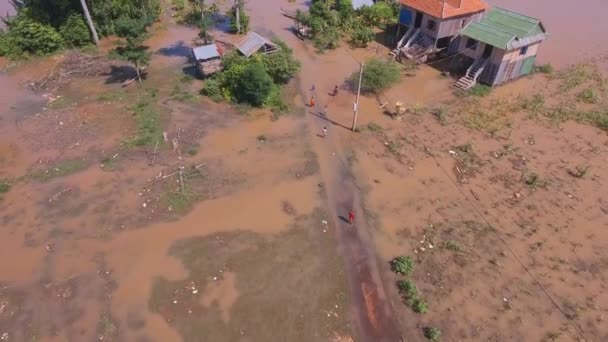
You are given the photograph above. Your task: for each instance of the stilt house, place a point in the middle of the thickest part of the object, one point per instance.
(500, 47)
(430, 26)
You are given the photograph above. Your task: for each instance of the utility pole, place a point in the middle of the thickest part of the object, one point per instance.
(356, 109)
(87, 15)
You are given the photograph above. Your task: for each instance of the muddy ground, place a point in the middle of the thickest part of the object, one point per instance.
(238, 234)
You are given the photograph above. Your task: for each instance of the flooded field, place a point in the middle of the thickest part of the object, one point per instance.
(238, 232)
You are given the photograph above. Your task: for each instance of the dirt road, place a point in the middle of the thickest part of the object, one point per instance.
(373, 316)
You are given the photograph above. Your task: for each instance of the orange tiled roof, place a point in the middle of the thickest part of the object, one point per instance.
(446, 9)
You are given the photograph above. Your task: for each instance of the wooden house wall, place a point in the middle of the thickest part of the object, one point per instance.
(512, 62)
(452, 26)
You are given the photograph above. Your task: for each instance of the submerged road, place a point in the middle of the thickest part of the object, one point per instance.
(372, 317)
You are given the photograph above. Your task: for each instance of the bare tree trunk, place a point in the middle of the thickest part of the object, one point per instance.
(202, 10)
(87, 15)
(238, 16)
(137, 71)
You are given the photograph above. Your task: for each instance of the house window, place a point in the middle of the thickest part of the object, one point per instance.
(431, 25)
(523, 51)
(471, 43)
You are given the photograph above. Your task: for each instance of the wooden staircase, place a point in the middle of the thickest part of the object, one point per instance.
(469, 80)
(402, 41)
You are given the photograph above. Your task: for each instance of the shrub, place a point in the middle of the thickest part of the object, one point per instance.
(420, 306)
(281, 66)
(274, 101)
(377, 76)
(254, 85)
(327, 39)
(479, 90)
(244, 18)
(378, 14)
(361, 36)
(432, 333)
(212, 89)
(4, 186)
(403, 265)
(27, 36)
(408, 289)
(546, 69)
(588, 96)
(75, 32)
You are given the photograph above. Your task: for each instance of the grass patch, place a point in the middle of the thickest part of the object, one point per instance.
(178, 201)
(432, 333)
(533, 180)
(108, 163)
(61, 103)
(534, 105)
(486, 121)
(479, 90)
(180, 95)
(192, 150)
(111, 96)
(442, 115)
(4, 187)
(597, 118)
(60, 169)
(403, 265)
(147, 119)
(466, 148)
(588, 96)
(578, 74)
(187, 78)
(546, 69)
(374, 127)
(579, 171)
(262, 138)
(453, 245)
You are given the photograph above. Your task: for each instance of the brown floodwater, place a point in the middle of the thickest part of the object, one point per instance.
(577, 29)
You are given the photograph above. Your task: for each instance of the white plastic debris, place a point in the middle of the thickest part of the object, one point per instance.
(175, 302)
(451, 152)
(324, 222)
(431, 246)
(144, 205)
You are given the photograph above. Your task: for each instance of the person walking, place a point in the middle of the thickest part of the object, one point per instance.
(312, 88)
(325, 111)
(335, 91)
(312, 101)
(351, 216)
(324, 131)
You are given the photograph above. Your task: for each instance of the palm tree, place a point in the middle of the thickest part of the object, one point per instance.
(87, 15)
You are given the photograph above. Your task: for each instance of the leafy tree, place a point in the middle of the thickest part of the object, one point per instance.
(281, 66)
(239, 20)
(132, 30)
(254, 85)
(377, 75)
(378, 14)
(327, 39)
(75, 31)
(361, 36)
(27, 36)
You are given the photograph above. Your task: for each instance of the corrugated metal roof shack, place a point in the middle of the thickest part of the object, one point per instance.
(506, 41)
(253, 43)
(208, 59)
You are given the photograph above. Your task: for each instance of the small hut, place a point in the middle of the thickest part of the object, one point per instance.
(253, 43)
(208, 59)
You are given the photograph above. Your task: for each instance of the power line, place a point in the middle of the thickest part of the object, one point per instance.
(487, 222)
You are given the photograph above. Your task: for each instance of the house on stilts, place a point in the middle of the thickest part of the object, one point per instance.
(254, 43)
(427, 27)
(207, 59)
(500, 47)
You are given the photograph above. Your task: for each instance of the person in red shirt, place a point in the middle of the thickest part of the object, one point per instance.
(351, 216)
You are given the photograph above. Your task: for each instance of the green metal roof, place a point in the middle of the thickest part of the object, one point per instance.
(500, 26)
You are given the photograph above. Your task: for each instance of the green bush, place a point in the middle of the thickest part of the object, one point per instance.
(75, 32)
(212, 89)
(361, 36)
(377, 75)
(432, 333)
(420, 306)
(4, 186)
(253, 86)
(403, 265)
(274, 100)
(327, 39)
(378, 14)
(480, 90)
(281, 66)
(27, 36)
(546, 69)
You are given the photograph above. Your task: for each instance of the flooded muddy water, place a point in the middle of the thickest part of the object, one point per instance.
(577, 29)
